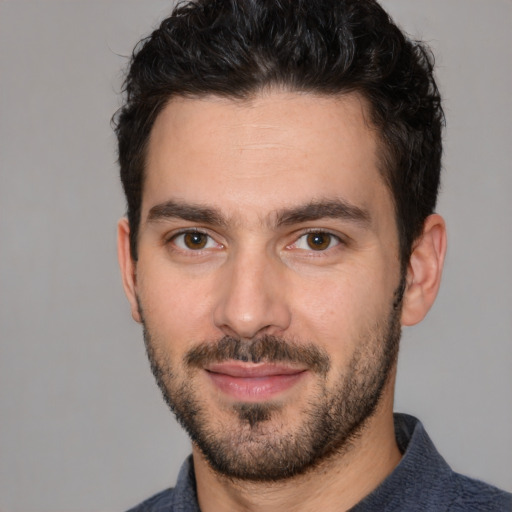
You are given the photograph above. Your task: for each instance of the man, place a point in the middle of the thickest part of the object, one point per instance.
(281, 164)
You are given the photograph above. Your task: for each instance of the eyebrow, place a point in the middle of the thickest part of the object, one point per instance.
(315, 210)
(334, 209)
(186, 211)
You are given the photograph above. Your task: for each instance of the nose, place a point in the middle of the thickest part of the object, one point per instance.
(252, 299)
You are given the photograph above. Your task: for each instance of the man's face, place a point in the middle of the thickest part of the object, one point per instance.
(268, 276)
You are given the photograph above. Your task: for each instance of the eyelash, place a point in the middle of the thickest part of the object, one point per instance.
(321, 232)
(171, 240)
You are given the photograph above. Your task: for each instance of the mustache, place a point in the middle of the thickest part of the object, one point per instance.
(269, 349)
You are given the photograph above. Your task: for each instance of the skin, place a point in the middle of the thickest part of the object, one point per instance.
(248, 162)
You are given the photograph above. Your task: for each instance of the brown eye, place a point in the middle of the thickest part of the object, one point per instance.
(318, 241)
(195, 241)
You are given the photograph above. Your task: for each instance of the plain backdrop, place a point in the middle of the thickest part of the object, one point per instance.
(82, 425)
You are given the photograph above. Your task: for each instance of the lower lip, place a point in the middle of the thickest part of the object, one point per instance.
(255, 389)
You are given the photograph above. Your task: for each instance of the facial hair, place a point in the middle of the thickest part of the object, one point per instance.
(255, 443)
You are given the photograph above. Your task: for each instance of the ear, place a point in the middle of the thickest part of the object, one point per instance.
(127, 266)
(424, 270)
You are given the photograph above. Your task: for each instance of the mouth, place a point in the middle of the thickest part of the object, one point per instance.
(253, 382)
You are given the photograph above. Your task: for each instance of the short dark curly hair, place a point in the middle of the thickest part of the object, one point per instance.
(235, 48)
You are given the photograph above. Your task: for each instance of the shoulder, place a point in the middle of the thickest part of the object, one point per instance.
(470, 494)
(424, 482)
(436, 483)
(181, 498)
(163, 501)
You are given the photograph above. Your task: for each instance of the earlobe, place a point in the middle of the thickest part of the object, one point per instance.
(424, 270)
(127, 266)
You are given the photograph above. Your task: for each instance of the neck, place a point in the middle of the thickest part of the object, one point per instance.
(336, 484)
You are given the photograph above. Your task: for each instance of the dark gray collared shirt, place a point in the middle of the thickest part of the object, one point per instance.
(422, 482)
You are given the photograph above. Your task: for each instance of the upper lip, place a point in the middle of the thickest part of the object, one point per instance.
(247, 370)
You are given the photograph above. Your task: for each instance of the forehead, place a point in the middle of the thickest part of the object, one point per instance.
(269, 152)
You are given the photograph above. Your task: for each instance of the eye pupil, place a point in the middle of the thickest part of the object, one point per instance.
(318, 241)
(195, 240)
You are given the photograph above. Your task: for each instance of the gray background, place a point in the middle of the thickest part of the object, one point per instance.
(82, 425)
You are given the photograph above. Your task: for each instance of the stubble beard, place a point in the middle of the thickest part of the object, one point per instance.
(255, 443)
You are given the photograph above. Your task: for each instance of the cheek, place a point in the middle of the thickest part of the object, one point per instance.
(174, 306)
(339, 310)
(324, 305)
